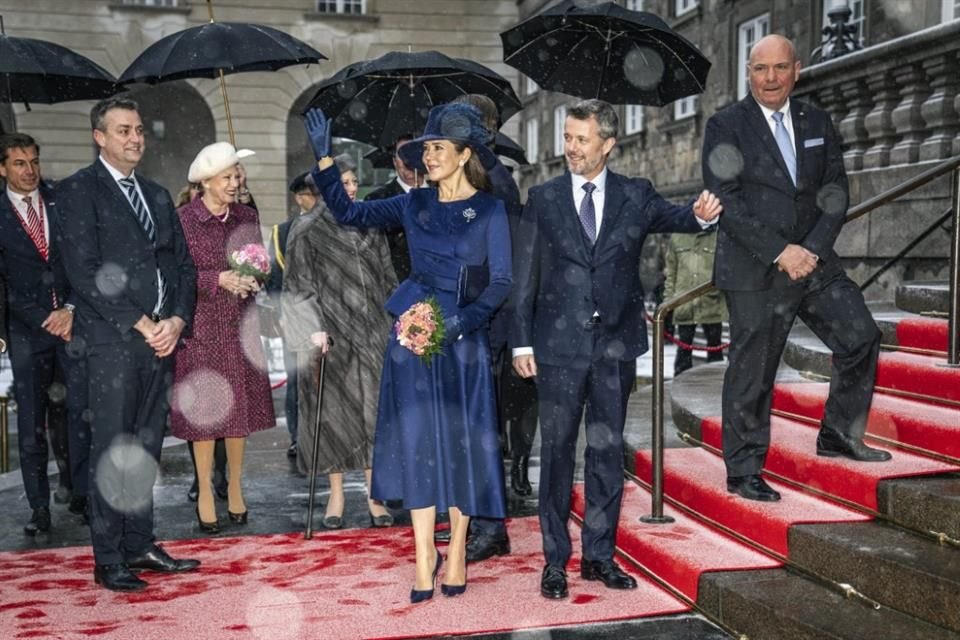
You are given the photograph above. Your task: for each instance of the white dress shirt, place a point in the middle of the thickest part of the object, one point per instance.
(21, 207)
(787, 121)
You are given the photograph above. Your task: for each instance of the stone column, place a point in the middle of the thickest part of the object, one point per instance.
(907, 117)
(879, 122)
(851, 128)
(938, 110)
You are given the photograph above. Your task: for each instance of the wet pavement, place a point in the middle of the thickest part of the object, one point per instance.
(276, 496)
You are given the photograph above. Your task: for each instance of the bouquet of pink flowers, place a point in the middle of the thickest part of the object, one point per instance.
(420, 329)
(251, 260)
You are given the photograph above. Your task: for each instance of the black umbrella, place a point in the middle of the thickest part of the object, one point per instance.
(505, 146)
(378, 100)
(215, 49)
(380, 158)
(605, 51)
(40, 71)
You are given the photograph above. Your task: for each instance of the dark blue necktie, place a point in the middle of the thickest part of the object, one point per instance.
(139, 209)
(786, 147)
(588, 213)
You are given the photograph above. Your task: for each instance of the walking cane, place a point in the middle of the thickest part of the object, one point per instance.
(316, 444)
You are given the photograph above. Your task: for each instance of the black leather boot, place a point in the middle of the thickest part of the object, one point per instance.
(519, 481)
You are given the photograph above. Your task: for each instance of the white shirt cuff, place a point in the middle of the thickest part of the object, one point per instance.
(523, 351)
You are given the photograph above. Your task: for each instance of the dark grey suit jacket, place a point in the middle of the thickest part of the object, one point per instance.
(763, 211)
(559, 282)
(111, 263)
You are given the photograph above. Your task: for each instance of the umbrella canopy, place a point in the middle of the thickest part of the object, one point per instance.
(378, 100)
(380, 158)
(605, 51)
(206, 50)
(505, 146)
(215, 49)
(40, 71)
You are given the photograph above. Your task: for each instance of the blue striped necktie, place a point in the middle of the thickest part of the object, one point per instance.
(786, 147)
(588, 213)
(140, 209)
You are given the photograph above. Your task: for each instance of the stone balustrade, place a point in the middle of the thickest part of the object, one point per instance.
(895, 103)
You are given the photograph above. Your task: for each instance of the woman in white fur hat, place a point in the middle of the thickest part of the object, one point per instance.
(221, 388)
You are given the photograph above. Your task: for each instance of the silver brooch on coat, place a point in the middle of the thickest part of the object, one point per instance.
(469, 214)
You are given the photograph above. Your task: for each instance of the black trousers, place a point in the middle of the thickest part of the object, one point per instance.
(517, 413)
(603, 388)
(760, 322)
(129, 407)
(713, 331)
(49, 386)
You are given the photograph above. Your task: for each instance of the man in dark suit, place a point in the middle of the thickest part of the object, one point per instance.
(39, 300)
(777, 166)
(135, 284)
(407, 178)
(579, 327)
(306, 196)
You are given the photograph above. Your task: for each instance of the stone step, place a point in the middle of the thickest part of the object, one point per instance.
(922, 296)
(775, 604)
(925, 504)
(889, 565)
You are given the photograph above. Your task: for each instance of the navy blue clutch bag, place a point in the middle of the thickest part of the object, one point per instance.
(471, 281)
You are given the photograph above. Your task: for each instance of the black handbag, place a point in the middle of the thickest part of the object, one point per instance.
(471, 281)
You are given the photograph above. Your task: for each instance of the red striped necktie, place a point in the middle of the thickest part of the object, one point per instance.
(35, 227)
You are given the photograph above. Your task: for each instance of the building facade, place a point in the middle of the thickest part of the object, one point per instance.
(895, 103)
(181, 117)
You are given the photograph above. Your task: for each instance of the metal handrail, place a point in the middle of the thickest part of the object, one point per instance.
(659, 317)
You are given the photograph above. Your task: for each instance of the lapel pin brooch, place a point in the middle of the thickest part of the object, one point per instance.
(469, 214)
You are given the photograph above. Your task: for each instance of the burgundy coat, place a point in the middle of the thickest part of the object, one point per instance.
(221, 387)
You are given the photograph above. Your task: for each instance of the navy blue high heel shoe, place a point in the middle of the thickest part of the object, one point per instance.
(451, 590)
(425, 594)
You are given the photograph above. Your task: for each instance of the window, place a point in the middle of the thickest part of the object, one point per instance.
(559, 120)
(685, 6)
(531, 87)
(151, 3)
(634, 5)
(633, 120)
(685, 108)
(533, 140)
(350, 7)
(951, 10)
(857, 15)
(747, 36)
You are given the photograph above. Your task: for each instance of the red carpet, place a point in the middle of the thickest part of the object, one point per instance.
(677, 552)
(340, 585)
(793, 454)
(921, 424)
(922, 333)
(924, 375)
(698, 479)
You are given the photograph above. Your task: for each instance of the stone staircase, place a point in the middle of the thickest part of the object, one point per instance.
(853, 550)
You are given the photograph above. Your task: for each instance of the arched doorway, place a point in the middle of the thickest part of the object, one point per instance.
(178, 123)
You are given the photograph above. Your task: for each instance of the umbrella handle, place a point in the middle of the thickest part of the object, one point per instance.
(308, 534)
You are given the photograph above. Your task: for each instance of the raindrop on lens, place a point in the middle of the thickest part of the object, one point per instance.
(725, 161)
(125, 475)
(111, 279)
(357, 110)
(643, 67)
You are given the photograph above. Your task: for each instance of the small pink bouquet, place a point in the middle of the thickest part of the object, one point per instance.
(251, 260)
(421, 329)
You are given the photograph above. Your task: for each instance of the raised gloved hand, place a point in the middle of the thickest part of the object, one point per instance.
(318, 131)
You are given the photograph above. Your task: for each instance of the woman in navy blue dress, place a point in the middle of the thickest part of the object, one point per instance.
(436, 446)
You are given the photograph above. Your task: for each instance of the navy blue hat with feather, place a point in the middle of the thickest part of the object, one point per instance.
(455, 122)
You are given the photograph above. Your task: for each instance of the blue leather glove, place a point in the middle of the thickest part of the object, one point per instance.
(318, 131)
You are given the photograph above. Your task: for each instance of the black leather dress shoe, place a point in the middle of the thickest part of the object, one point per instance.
(117, 577)
(156, 559)
(39, 522)
(292, 451)
(553, 582)
(481, 547)
(752, 488)
(78, 505)
(607, 572)
(831, 444)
